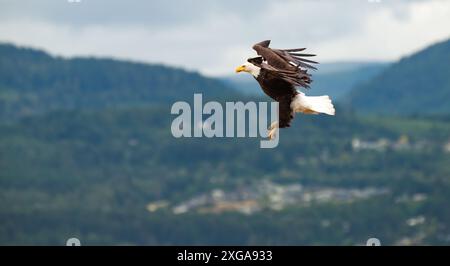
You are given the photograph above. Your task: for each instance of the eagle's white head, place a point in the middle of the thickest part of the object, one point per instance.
(250, 68)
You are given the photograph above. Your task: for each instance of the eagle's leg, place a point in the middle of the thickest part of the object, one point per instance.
(272, 130)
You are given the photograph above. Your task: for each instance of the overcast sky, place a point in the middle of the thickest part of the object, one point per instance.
(215, 36)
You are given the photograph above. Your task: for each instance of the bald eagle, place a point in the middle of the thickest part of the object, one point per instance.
(279, 72)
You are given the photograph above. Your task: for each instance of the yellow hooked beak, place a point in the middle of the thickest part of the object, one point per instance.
(240, 69)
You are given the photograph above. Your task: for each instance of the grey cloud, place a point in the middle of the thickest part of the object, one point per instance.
(212, 36)
(119, 12)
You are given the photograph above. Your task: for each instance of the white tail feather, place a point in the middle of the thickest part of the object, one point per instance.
(313, 104)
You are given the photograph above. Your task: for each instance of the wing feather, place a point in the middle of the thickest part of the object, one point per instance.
(302, 55)
(296, 78)
(287, 64)
(294, 50)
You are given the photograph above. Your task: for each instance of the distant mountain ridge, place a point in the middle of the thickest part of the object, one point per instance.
(32, 81)
(417, 84)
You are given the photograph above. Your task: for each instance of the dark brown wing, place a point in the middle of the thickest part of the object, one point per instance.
(284, 58)
(296, 58)
(271, 57)
(297, 77)
(291, 65)
(257, 61)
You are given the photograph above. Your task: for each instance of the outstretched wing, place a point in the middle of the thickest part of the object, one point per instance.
(284, 58)
(294, 76)
(271, 57)
(295, 58)
(289, 64)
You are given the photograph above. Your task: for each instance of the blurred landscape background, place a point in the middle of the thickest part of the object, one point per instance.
(86, 149)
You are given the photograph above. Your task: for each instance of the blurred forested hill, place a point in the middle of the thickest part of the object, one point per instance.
(31, 81)
(86, 151)
(417, 84)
